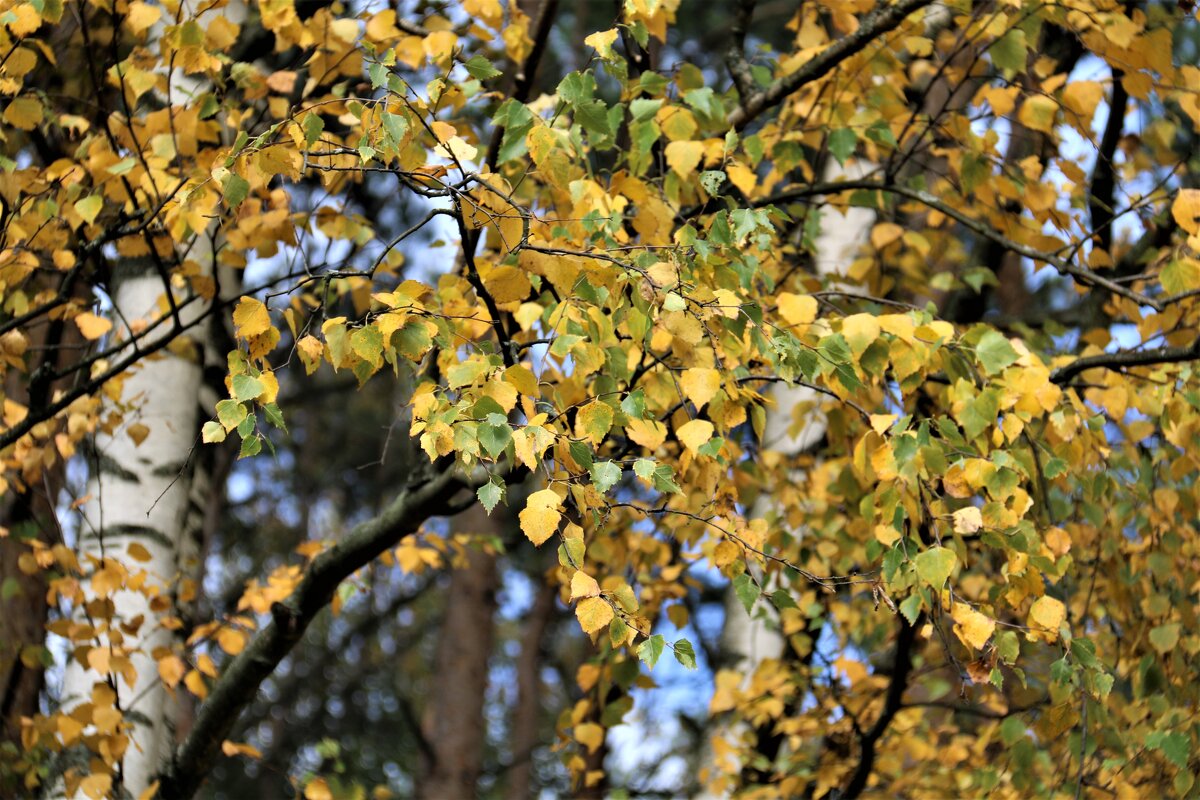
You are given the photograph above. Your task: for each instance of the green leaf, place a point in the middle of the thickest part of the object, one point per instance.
(746, 590)
(234, 189)
(274, 416)
(246, 388)
(1174, 745)
(1010, 52)
(711, 180)
(571, 552)
(314, 126)
(994, 352)
(664, 479)
(842, 144)
(495, 438)
(605, 475)
(251, 446)
(684, 653)
(481, 68)
(910, 607)
(231, 413)
(644, 468)
(489, 494)
(781, 598)
(935, 565)
(516, 120)
(651, 649)
(367, 344)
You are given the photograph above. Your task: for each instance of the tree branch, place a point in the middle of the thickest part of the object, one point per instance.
(892, 703)
(240, 681)
(735, 58)
(1064, 267)
(879, 21)
(1127, 358)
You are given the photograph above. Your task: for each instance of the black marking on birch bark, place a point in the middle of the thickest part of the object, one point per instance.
(110, 467)
(131, 531)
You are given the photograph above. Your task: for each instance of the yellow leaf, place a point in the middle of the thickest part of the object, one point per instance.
(24, 113)
(91, 326)
(884, 234)
(1058, 540)
(1081, 99)
(583, 585)
(231, 640)
(1047, 613)
(648, 433)
(860, 331)
(439, 46)
(457, 149)
(602, 42)
(523, 379)
(594, 421)
(881, 422)
(540, 517)
(742, 177)
(89, 208)
(590, 735)
(506, 284)
(1038, 112)
(797, 309)
(96, 786)
(1186, 210)
(250, 318)
(725, 553)
(317, 789)
(700, 385)
(684, 157)
(968, 520)
(141, 16)
(171, 669)
(593, 614)
(138, 432)
(695, 433)
(138, 552)
(971, 627)
(232, 749)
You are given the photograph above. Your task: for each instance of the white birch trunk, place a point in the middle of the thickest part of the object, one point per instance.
(791, 430)
(150, 495)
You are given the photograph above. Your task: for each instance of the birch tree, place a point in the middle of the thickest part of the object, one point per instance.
(993, 532)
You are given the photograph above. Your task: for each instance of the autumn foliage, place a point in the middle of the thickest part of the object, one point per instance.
(984, 566)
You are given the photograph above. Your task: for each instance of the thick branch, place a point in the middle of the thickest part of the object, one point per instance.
(239, 683)
(879, 21)
(1127, 358)
(1101, 199)
(892, 703)
(735, 58)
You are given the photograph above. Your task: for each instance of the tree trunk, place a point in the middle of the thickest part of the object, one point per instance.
(453, 719)
(139, 497)
(528, 710)
(790, 429)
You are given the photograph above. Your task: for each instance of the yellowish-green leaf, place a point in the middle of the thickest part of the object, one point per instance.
(593, 614)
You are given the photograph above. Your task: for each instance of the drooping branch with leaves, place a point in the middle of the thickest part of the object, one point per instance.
(586, 255)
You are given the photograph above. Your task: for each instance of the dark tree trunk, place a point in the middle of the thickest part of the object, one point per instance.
(454, 723)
